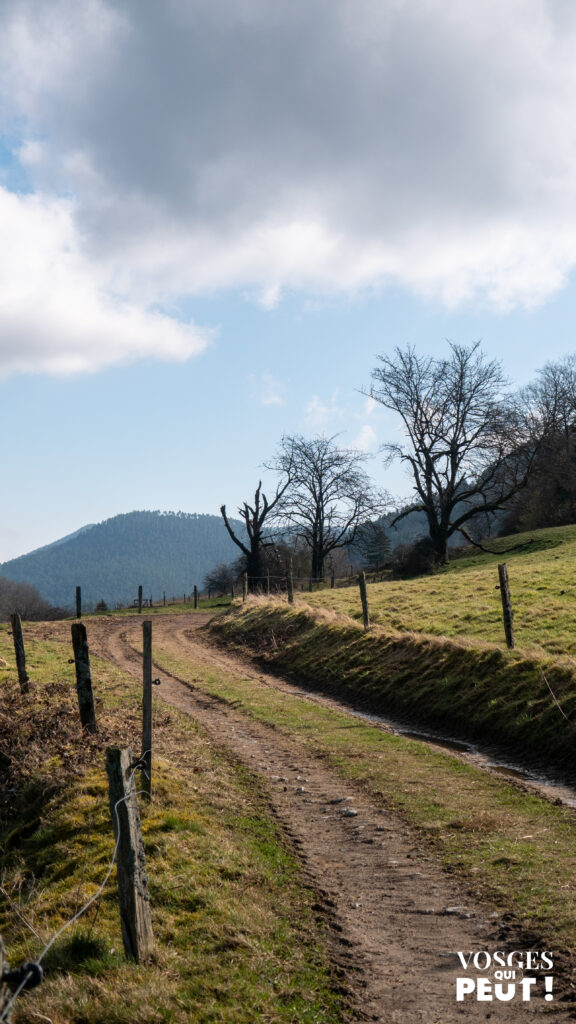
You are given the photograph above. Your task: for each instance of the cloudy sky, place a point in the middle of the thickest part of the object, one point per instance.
(215, 213)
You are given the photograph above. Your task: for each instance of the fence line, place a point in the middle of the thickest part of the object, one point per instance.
(33, 970)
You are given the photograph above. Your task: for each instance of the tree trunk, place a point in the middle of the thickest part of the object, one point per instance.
(255, 570)
(317, 564)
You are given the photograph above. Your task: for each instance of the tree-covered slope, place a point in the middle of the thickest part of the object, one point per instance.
(163, 551)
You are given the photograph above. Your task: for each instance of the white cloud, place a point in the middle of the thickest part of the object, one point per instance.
(366, 440)
(58, 313)
(337, 145)
(321, 414)
(270, 297)
(267, 389)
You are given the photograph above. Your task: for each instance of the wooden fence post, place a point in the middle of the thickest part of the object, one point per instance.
(244, 586)
(5, 993)
(332, 580)
(164, 598)
(232, 594)
(78, 602)
(146, 780)
(140, 600)
(267, 582)
(133, 894)
(364, 599)
(290, 585)
(83, 677)
(20, 652)
(506, 604)
(195, 596)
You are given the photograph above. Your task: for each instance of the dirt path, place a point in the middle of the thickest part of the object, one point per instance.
(396, 919)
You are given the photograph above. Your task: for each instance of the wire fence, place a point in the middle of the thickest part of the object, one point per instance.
(31, 973)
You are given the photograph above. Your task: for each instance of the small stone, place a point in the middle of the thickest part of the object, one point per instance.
(300, 789)
(349, 812)
(457, 912)
(338, 799)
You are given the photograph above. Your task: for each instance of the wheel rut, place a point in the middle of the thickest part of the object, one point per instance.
(395, 919)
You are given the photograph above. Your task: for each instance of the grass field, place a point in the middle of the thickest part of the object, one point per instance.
(237, 938)
(464, 599)
(436, 651)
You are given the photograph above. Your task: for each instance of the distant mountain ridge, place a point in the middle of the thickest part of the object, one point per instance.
(61, 540)
(162, 551)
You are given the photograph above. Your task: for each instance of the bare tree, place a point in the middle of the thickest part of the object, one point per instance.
(329, 495)
(255, 516)
(220, 579)
(17, 596)
(550, 497)
(467, 447)
(373, 543)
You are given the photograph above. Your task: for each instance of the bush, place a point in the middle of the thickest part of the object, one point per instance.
(414, 559)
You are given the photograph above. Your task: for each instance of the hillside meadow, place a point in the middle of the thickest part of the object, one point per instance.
(463, 600)
(435, 653)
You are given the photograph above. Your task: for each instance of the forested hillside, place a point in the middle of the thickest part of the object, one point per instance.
(163, 551)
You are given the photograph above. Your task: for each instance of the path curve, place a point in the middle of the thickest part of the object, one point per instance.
(396, 920)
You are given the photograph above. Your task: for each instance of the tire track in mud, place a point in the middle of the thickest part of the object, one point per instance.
(395, 919)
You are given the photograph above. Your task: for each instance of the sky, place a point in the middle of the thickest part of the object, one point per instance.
(216, 214)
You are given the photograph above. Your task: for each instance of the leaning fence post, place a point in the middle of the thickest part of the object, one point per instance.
(20, 652)
(244, 586)
(83, 677)
(78, 602)
(133, 894)
(364, 599)
(146, 781)
(195, 596)
(506, 604)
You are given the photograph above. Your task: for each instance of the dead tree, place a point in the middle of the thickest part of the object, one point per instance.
(255, 517)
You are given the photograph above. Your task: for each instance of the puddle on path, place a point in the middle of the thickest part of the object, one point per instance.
(480, 757)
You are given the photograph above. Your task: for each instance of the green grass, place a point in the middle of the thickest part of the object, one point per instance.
(464, 599)
(204, 605)
(237, 937)
(501, 840)
(477, 690)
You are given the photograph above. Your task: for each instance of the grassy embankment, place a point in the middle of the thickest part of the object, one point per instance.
(237, 936)
(510, 847)
(436, 652)
(517, 849)
(463, 600)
